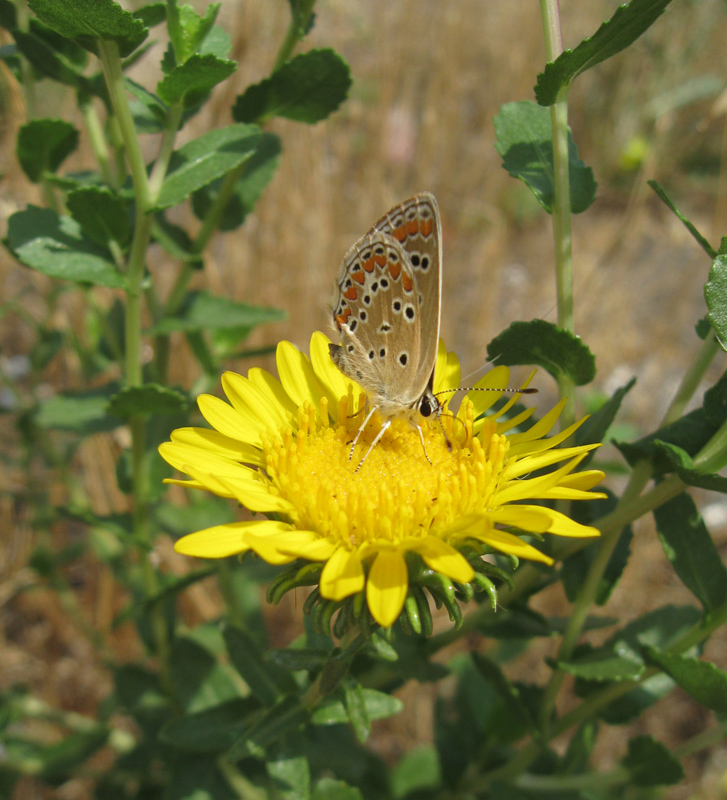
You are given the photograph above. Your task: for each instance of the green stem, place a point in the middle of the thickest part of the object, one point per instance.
(295, 32)
(166, 148)
(692, 378)
(98, 142)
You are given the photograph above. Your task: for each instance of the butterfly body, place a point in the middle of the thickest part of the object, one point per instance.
(387, 311)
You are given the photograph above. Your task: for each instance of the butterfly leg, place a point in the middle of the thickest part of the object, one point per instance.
(360, 431)
(421, 439)
(383, 430)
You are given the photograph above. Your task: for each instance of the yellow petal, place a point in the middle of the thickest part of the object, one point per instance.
(250, 401)
(179, 455)
(256, 497)
(387, 586)
(490, 386)
(528, 464)
(508, 543)
(306, 544)
(273, 391)
(222, 541)
(332, 378)
(529, 518)
(508, 424)
(446, 371)
(298, 377)
(540, 428)
(342, 576)
(216, 442)
(564, 493)
(443, 558)
(560, 525)
(228, 420)
(267, 548)
(586, 479)
(544, 444)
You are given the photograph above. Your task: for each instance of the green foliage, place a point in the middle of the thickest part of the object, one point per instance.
(524, 140)
(213, 712)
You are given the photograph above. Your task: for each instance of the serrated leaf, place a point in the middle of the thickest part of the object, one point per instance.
(86, 21)
(543, 343)
(217, 43)
(308, 88)
(204, 311)
(43, 145)
(187, 29)
(54, 245)
(258, 172)
(702, 680)
(651, 763)
(82, 413)
(625, 26)
(379, 705)
(151, 398)
(701, 241)
(715, 293)
(102, 215)
(191, 82)
(691, 551)
(152, 14)
(205, 159)
(210, 731)
(603, 664)
(524, 139)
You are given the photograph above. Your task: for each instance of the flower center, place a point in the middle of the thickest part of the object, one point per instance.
(397, 494)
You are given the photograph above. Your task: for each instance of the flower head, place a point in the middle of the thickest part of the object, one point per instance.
(282, 448)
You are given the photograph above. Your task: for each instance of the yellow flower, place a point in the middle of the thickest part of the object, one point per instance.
(282, 448)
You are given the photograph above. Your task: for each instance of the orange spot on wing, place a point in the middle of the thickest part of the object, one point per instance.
(342, 319)
(395, 270)
(359, 277)
(407, 282)
(412, 227)
(400, 233)
(350, 293)
(425, 228)
(369, 265)
(380, 260)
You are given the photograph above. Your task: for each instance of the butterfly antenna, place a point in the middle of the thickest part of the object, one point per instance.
(523, 390)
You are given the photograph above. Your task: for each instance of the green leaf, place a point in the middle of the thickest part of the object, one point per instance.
(651, 763)
(187, 29)
(151, 398)
(330, 789)
(702, 680)
(147, 109)
(689, 433)
(54, 245)
(201, 682)
(43, 145)
(506, 690)
(194, 778)
(205, 159)
(684, 467)
(266, 681)
(283, 718)
(614, 35)
(355, 702)
(308, 88)
(203, 312)
(152, 14)
(417, 770)
(86, 21)
(191, 82)
(82, 413)
(664, 197)
(258, 172)
(580, 748)
(596, 426)
(298, 658)
(290, 774)
(715, 402)
(524, 139)
(51, 62)
(102, 215)
(212, 730)
(691, 551)
(379, 705)
(603, 664)
(543, 343)
(715, 293)
(576, 567)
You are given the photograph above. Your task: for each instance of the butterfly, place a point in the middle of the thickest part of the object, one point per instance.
(387, 308)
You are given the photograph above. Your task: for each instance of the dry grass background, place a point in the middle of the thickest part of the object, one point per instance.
(429, 76)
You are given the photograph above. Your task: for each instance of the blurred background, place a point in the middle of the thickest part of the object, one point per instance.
(428, 79)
